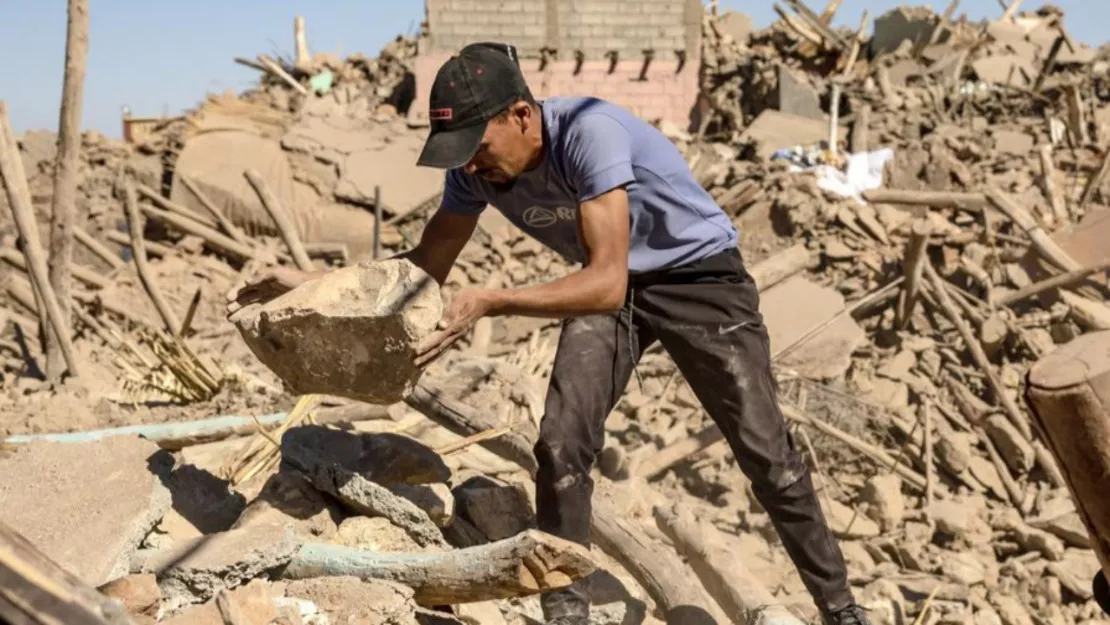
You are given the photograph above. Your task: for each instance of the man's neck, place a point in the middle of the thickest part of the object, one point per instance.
(537, 158)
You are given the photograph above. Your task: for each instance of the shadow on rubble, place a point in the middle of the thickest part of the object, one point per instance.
(201, 498)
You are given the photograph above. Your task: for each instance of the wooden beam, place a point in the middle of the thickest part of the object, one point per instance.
(146, 276)
(35, 590)
(1068, 393)
(525, 564)
(63, 210)
(23, 212)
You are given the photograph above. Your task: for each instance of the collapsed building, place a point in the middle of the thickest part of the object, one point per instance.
(903, 190)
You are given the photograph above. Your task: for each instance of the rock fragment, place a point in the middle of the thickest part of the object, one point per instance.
(47, 494)
(352, 332)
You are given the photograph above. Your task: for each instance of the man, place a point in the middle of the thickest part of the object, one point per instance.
(659, 263)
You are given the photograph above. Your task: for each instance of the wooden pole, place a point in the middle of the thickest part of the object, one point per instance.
(64, 208)
(173, 207)
(1042, 243)
(1063, 280)
(146, 276)
(912, 266)
(1068, 392)
(98, 248)
(526, 564)
(971, 202)
(225, 224)
(302, 60)
(281, 219)
(1048, 172)
(976, 350)
(36, 590)
(377, 222)
(721, 569)
(19, 198)
(219, 241)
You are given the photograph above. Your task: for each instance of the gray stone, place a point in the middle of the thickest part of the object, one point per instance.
(498, 510)
(194, 571)
(357, 491)
(87, 506)
(888, 506)
(352, 332)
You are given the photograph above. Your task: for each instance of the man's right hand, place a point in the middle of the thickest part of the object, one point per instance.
(266, 286)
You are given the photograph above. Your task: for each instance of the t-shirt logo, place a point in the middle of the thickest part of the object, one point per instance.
(542, 217)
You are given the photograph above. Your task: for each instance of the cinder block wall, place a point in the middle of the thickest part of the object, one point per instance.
(597, 28)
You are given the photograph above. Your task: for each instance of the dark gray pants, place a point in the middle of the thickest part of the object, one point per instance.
(706, 315)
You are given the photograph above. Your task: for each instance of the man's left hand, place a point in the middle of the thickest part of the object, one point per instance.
(467, 307)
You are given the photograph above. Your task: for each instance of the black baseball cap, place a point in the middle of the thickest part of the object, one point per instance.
(471, 88)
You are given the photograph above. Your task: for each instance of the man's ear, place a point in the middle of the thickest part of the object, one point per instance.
(523, 112)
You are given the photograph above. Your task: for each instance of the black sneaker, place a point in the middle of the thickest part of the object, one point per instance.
(851, 615)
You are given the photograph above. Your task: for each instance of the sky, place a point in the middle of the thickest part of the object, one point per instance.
(159, 57)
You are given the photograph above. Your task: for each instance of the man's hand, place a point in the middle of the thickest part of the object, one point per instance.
(467, 307)
(266, 286)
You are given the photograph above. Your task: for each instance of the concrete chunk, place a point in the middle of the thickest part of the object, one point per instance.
(793, 308)
(195, 571)
(773, 130)
(352, 332)
(87, 506)
(1005, 69)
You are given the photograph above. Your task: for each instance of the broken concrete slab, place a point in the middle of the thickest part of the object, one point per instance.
(86, 505)
(352, 600)
(773, 130)
(404, 184)
(796, 97)
(1005, 69)
(352, 332)
(793, 308)
(195, 571)
(215, 162)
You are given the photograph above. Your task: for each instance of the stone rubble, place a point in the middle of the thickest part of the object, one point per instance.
(963, 109)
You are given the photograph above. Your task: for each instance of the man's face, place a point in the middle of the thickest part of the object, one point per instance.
(505, 150)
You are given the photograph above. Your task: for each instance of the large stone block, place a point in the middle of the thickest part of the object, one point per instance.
(352, 332)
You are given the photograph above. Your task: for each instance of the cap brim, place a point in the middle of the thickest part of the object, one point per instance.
(449, 149)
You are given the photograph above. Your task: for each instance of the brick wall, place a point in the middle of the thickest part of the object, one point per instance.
(595, 29)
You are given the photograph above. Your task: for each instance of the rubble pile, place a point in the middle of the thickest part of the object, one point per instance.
(908, 195)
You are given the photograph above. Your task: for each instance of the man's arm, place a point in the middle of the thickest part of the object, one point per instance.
(599, 287)
(443, 239)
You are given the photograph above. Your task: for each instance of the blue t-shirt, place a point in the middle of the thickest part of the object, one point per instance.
(591, 147)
